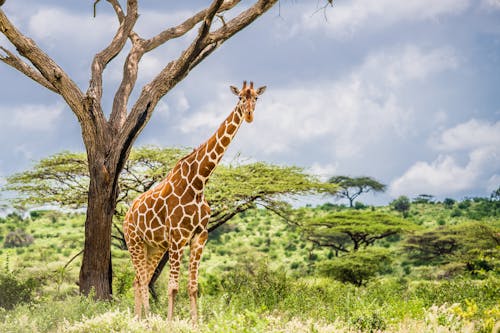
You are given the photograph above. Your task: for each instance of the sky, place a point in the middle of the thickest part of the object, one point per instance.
(406, 92)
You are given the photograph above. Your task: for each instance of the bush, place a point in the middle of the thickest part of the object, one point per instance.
(402, 205)
(358, 267)
(372, 322)
(456, 212)
(14, 290)
(18, 238)
(448, 203)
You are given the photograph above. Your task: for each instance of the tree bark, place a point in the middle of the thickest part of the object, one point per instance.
(108, 141)
(96, 269)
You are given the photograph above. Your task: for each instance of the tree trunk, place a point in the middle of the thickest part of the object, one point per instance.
(96, 270)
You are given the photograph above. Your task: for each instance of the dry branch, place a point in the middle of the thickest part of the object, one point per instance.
(17, 63)
(108, 142)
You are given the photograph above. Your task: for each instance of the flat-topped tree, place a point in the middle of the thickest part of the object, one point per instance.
(352, 187)
(108, 140)
(349, 230)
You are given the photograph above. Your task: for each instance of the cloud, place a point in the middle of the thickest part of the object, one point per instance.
(347, 18)
(480, 141)
(175, 102)
(34, 117)
(491, 4)
(441, 177)
(411, 63)
(55, 25)
(323, 171)
(350, 113)
(469, 135)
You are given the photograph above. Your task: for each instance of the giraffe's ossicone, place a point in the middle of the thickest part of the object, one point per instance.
(175, 213)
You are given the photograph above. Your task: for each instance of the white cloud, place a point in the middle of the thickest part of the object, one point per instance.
(323, 171)
(469, 135)
(55, 25)
(446, 175)
(491, 4)
(350, 113)
(35, 117)
(411, 63)
(346, 18)
(443, 176)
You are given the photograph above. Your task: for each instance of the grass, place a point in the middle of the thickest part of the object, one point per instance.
(257, 275)
(307, 305)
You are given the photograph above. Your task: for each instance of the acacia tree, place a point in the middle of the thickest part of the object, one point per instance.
(62, 179)
(352, 187)
(346, 231)
(108, 140)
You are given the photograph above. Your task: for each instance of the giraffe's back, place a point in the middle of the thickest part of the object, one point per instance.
(171, 210)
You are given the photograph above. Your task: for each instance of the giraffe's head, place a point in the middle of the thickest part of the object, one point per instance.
(248, 97)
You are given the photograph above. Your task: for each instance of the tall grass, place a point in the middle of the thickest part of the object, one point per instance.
(265, 300)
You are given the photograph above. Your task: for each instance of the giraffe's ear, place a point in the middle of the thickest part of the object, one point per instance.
(261, 90)
(235, 90)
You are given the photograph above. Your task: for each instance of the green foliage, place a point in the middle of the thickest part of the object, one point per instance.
(236, 188)
(372, 322)
(15, 290)
(402, 205)
(348, 230)
(444, 243)
(259, 274)
(62, 179)
(351, 188)
(358, 267)
(449, 203)
(483, 208)
(58, 179)
(424, 199)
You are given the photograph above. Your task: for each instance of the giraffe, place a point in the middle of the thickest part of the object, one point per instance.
(174, 213)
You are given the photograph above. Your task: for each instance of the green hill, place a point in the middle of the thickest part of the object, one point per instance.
(259, 274)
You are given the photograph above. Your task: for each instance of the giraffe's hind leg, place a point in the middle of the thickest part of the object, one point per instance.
(138, 253)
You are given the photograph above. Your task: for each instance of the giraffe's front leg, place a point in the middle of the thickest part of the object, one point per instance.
(173, 281)
(197, 245)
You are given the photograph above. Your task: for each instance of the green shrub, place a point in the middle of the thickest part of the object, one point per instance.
(456, 212)
(358, 267)
(448, 203)
(368, 322)
(402, 205)
(14, 290)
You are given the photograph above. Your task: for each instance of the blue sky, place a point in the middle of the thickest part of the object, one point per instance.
(407, 92)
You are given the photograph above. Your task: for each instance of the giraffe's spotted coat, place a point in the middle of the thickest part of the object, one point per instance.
(174, 213)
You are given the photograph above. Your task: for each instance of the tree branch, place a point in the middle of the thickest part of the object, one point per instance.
(241, 21)
(175, 71)
(184, 27)
(102, 58)
(16, 62)
(122, 95)
(51, 71)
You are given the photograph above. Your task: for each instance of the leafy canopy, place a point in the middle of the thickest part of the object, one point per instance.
(62, 179)
(350, 188)
(450, 243)
(346, 231)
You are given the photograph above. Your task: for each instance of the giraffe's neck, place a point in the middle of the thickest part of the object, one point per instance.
(208, 155)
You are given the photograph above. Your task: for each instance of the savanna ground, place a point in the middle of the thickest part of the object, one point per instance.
(259, 274)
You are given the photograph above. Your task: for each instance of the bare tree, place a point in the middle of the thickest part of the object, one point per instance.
(108, 140)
